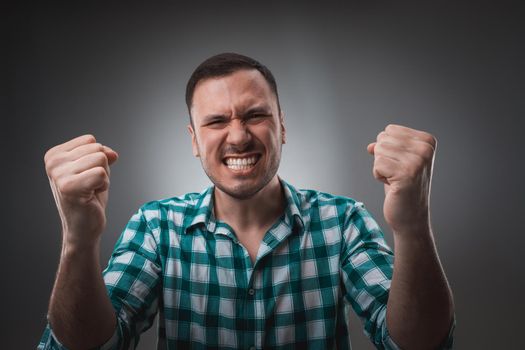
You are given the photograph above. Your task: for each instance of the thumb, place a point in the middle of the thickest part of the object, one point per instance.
(111, 154)
(370, 148)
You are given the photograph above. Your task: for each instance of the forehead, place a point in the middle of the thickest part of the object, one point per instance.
(238, 90)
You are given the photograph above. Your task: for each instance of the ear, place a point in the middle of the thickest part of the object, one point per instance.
(194, 145)
(283, 128)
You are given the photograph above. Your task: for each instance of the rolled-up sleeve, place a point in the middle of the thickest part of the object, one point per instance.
(132, 279)
(367, 264)
(50, 342)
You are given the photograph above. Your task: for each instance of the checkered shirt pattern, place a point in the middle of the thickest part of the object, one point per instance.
(325, 255)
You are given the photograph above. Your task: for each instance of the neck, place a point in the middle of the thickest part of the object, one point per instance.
(255, 213)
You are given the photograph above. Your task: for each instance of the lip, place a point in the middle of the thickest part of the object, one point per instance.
(244, 155)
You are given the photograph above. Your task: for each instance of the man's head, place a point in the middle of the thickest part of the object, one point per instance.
(237, 127)
(224, 64)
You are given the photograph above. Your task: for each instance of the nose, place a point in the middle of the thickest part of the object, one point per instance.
(238, 134)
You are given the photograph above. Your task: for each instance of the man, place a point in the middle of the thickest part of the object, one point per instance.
(250, 262)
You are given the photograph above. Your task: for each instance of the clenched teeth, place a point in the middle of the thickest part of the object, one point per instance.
(240, 163)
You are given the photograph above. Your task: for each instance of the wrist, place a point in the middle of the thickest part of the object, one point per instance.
(73, 246)
(417, 224)
(414, 240)
(413, 230)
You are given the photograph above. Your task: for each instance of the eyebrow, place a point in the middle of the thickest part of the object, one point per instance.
(258, 110)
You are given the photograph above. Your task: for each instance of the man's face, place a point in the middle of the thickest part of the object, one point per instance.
(237, 132)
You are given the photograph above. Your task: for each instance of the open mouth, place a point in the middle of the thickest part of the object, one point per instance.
(240, 163)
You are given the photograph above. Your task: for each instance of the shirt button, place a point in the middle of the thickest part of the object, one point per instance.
(251, 292)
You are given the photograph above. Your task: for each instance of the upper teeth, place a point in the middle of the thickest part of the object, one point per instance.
(241, 161)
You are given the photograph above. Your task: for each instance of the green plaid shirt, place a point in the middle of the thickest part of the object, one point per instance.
(323, 256)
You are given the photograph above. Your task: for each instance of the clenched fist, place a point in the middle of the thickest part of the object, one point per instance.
(403, 160)
(78, 172)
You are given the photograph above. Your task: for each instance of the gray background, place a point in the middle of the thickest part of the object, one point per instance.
(344, 72)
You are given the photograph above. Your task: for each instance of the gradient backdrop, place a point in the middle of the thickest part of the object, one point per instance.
(344, 72)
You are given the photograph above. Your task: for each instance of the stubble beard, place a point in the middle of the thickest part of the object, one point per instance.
(243, 192)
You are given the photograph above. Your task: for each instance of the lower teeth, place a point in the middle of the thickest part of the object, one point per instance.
(239, 167)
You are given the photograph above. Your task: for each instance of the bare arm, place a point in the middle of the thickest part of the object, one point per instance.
(80, 312)
(420, 306)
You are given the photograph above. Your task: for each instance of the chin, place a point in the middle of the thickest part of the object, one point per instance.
(240, 192)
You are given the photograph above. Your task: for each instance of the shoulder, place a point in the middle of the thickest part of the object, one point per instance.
(178, 203)
(329, 209)
(310, 199)
(337, 215)
(173, 209)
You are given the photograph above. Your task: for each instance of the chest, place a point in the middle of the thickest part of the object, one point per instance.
(214, 278)
(228, 268)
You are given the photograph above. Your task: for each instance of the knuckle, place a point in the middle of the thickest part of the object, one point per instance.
(100, 172)
(48, 167)
(65, 185)
(378, 159)
(427, 152)
(51, 154)
(433, 140)
(389, 127)
(424, 151)
(47, 155)
(89, 138)
(52, 173)
(100, 158)
(382, 147)
(98, 155)
(51, 164)
(429, 138)
(55, 161)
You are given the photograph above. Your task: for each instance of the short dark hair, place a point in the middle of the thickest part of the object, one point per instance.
(224, 64)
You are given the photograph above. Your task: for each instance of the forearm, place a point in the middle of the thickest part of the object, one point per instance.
(420, 306)
(80, 311)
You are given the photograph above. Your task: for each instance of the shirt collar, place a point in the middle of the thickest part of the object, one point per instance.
(201, 213)
(293, 214)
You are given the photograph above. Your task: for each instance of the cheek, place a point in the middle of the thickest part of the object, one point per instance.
(267, 132)
(270, 138)
(209, 144)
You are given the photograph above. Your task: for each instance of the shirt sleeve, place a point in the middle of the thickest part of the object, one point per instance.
(132, 279)
(367, 264)
(50, 342)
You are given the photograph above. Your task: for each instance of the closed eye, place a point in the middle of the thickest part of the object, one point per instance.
(215, 122)
(256, 116)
